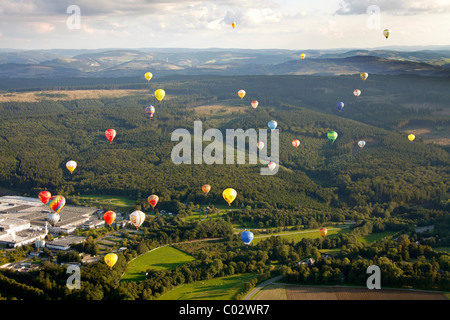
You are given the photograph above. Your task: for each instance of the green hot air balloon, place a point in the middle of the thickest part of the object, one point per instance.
(332, 135)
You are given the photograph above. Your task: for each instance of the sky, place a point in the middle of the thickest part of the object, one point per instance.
(260, 24)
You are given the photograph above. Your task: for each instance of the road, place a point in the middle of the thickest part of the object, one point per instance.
(260, 286)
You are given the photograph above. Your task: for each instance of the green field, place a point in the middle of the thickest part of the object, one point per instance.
(443, 249)
(376, 236)
(162, 258)
(224, 288)
(105, 200)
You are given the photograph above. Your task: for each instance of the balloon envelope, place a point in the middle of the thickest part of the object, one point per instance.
(44, 196)
(109, 217)
(254, 104)
(150, 110)
(137, 218)
(386, 33)
(56, 203)
(148, 76)
(411, 137)
(302, 56)
(233, 24)
(340, 105)
(364, 76)
(53, 218)
(272, 165)
(71, 165)
(296, 143)
(160, 94)
(247, 237)
(323, 232)
(361, 144)
(272, 124)
(332, 135)
(111, 259)
(206, 188)
(357, 92)
(110, 134)
(241, 93)
(229, 195)
(260, 145)
(153, 200)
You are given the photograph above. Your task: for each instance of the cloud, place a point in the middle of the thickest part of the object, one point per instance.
(394, 7)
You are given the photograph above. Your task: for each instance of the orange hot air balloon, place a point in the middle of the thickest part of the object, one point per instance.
(241, 94)
(233, 24)
(110, 134)
(323, 232)
(153, 200)
(206, 188)
(109, 217)
(296, 143)
(44, 196)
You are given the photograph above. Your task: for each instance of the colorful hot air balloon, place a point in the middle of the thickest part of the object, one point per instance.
(340, 105)
(53, 218)
(247, 237)
(44, 196)
(323, 232)
(109, 217)
(229, 195)
(364, 76)
(137, 218)
(386, 33)
(110, 134)
(241, 94)
(254, 104)
(160, 94)
(206, 188)
(302, 56)
(260, 145)
(56, 203)
(233, 24)
(111, 259)
(272, 165)
(357, 92)
(272, 124)
(148, 76)
(71, 165)
(361, 144)
(153, 200)
(150, 110)
(296, 143)
(332, 135)
(411, 137)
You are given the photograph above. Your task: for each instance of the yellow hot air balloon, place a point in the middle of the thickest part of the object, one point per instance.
(323, 232)
(148, 76)
(229, 195)
(411, 137)
(159, 94)
(233, 24)
(241, 93)
(357, 92)
(111, 259)
(302, 56)
(71, 165)
(364, 76)
(386, 33)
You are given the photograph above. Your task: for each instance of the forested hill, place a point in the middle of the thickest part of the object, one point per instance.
(38, 138)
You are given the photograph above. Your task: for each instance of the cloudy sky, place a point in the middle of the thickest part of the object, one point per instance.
(280, 24)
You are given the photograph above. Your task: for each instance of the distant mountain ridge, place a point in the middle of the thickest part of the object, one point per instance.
(164, 62)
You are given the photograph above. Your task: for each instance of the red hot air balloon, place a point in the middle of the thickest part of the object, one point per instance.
(44, 196)
(110, 134)
(109, 217)
(153, 200)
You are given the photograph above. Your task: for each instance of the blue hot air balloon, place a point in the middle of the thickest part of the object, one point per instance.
(272, 124)
(247, 237)
(340, 105)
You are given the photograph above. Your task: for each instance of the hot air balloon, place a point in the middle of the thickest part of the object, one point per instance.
(364, 76)
(53, 218)
(233, 24)
(241, 94)
(148, 76)
(71, 165)
(296, 143)
(323, 232)
(229, 195)
(254, 104)
(110, 134)
(109, 217)
(361, 144)
(153, 200)
(340, 105)
(386, 33)
(150, 110)
(56, 203)
(159, 94)
(332, 135)
(272, 165)
(302, 56)
(260, 145)
(272, 124)
(111, 259)
(44, 196)
(247, 237)
(206, 188)
(357, 92)
(411, 137)
(137, 218)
